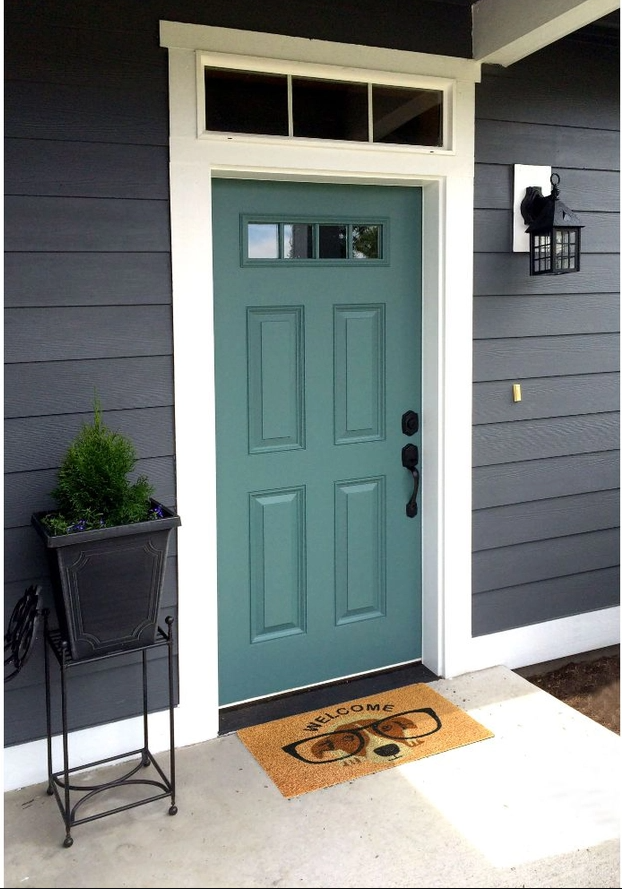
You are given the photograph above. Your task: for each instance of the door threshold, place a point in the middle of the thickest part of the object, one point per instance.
(240, 716)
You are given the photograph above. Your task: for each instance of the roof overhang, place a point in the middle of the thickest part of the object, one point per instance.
(505, 32)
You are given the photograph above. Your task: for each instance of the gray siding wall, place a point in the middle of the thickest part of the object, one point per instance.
(546, 469)
(87, 305)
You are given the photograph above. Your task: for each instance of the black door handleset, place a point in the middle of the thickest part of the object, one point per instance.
(410, 458)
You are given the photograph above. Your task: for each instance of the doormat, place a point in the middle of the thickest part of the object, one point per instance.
(346, 741)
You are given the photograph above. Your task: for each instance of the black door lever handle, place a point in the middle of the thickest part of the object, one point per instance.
(410, 459)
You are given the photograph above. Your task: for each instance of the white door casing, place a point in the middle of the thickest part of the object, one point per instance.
(446, 177)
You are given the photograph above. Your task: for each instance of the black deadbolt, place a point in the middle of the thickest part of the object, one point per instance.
(410, 423)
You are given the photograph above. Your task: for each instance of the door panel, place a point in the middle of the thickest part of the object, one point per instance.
(319, 572)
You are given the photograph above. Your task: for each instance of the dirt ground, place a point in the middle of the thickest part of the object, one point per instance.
(590, 683)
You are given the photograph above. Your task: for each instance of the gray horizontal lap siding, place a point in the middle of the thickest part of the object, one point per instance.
(87, 307)
(546, 469)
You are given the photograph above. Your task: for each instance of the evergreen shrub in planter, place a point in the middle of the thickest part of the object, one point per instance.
(107, 544)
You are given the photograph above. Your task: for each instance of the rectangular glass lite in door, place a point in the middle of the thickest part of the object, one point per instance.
(313, 240)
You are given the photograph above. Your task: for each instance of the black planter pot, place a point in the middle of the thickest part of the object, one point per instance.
(108, 583)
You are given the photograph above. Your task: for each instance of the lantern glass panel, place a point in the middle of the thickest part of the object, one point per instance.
(566, 254)
(541, 254)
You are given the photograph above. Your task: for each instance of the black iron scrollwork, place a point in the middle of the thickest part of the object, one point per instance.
(21, 632)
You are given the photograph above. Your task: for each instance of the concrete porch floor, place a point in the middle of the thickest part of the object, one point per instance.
(538, 805)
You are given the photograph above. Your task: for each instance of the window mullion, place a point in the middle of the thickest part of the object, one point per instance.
(290, 106)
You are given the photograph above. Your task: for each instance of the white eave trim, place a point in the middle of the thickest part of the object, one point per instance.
(320, 52)
(505, 31)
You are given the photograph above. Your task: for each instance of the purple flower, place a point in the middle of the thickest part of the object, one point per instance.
(157, 511)
(79, 526)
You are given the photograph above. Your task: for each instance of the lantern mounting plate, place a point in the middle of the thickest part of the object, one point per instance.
(526, 176)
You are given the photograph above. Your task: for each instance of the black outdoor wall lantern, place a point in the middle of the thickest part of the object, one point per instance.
(554, 232)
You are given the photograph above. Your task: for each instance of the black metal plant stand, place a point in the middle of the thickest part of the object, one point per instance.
(70, 796)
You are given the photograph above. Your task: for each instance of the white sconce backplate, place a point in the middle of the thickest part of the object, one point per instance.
(524, 176)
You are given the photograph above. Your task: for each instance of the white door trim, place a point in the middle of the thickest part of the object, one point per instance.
(446, 177)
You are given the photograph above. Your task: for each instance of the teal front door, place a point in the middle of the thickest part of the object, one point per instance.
(318, 357)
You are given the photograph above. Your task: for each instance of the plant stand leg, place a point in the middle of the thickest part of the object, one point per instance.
(145, 754)
(63, 691)
(173, 808)
(48, 704)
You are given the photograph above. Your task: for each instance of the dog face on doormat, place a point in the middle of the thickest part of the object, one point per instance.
(388, 738)
(318, 749)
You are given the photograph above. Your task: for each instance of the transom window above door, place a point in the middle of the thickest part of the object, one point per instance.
(277, 104)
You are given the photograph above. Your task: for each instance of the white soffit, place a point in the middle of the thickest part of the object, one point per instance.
(505, 31)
